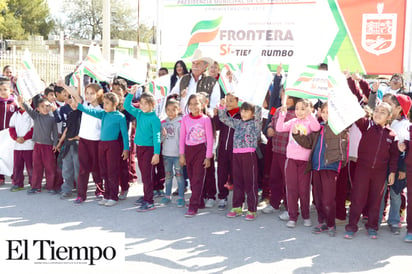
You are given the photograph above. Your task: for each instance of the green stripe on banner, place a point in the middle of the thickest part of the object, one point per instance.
(340, 36)
(207, 25)
(222, 85)
(342, 46)
(93, 58)
(307, 74)
(273, 67)
(332, 80)
(347, 56)
(232, 67)
(26, 64)
(332, 127)
(93, 75)
(304, 95)
(151, 87)
(190, 50)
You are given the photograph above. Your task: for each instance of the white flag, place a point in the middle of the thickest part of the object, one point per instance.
(29, 83)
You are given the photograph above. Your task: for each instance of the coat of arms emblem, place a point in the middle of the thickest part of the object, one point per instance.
(379, 31)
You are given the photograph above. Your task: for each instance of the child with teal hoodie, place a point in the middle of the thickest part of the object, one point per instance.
(147, 141)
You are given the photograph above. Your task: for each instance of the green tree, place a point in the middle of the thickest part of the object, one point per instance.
(85, 18)
(20, 18)
(11, 28)
(123, 24)
(85, 21)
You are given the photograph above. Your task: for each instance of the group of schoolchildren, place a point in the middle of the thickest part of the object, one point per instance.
(63, 133)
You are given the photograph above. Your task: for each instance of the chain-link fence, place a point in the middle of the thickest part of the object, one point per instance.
(46, 64)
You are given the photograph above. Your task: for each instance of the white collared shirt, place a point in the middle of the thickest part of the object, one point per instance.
(191, 89)
(90, 127)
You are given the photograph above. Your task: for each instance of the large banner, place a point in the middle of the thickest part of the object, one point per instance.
(363, 34)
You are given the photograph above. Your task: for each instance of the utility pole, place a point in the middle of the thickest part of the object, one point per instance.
(138, 30)
(106, 30)
(158, 40)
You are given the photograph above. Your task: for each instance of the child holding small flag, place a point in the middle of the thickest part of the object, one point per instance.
(245, 167)
(225, 150)
(148, 144)
(328, 154)
(45, 138)
(297, 181)
(89, 133)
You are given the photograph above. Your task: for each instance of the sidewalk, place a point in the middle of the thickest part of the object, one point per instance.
(163, 241)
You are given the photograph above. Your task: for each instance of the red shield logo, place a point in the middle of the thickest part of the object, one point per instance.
(379, 31)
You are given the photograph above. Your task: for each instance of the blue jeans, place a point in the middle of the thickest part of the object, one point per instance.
(70, 168)
(394, 217)
(169, 163)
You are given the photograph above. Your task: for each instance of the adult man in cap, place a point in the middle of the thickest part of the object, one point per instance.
(197, 81)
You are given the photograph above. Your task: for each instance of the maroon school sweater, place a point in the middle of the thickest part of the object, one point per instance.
(408, 157)
(377, 147)
(225, 132)
(7, 108)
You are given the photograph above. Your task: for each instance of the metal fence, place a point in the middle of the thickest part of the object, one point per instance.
(46, 64)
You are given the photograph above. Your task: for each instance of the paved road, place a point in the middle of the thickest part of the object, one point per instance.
(163, 241)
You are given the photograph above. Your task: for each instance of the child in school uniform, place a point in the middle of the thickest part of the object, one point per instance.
(8, 107)
(405, 146)
(113, 124)
(377, 150)
(89, 133)
(277, 169)
(245, 167)
(401, 105)
(50, 95)
(45, 138)
(225, 150)
(147, 140)
(329, 153)
(209, 189)
(170, 152)
(196, 149)
(21, 130)
(69, 146)
(297, 181)
(119, 87)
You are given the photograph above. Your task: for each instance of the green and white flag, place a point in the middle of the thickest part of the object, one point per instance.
(160, 88)
(343, 107)
(229, 77)
(77, 72)
(98, 68)
(29, 83)
(254, 80)
(308, 83)
(133, 70)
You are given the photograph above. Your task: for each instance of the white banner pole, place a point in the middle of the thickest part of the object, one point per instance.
(61, 54)
(408, 46)
(158, 40)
